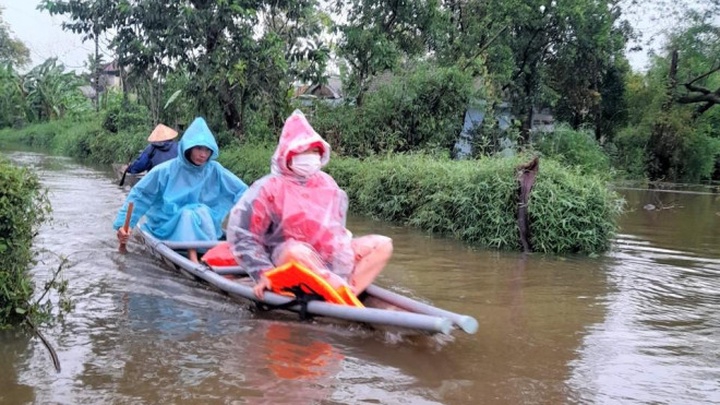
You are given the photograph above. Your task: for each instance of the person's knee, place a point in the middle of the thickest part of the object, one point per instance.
(385, 246)
(298, 250)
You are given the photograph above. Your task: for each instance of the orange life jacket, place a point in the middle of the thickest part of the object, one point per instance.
(295, 275)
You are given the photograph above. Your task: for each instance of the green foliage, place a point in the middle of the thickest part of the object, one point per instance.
(588, 70)
(667, 149)
(125, 115)
(672, 109)
(630, 155)
(643, 95)
(571, 212)
(12, 99)
(476, 201)
(700, 154)
(377, 35)
(40, 135)
(46, 92)
(421, 109)
(249, 161)
(51, 93)
(577, 149)
(12, 50)
(24, 206)
(81, 139)
(239, 54)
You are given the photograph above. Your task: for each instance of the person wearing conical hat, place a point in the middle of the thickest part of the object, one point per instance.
(162, 147)
(185, 198)
(298, 213)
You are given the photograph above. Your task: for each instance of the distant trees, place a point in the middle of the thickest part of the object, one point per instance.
(43, 93)
(237, 61)
(675, 131)
(12, 50)
(242, 55)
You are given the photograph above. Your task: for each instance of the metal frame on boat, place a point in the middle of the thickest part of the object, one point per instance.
(405, 312)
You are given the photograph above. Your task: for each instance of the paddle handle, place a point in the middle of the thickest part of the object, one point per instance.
(126, 226)
(122, 179)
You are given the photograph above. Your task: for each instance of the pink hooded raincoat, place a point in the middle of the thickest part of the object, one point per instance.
(283, 207)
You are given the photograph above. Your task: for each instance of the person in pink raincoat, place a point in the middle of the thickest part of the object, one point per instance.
(298, 212)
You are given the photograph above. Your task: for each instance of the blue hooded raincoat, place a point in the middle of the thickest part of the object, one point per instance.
(182, 201)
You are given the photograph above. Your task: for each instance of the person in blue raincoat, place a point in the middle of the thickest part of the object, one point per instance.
(162, 148)
(186, 198)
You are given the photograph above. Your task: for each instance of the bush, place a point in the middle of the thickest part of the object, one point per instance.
(249, 161)
(24, 206)
(124, 115)
(577, 149)
(698, 155)
(476, 201)
(631, 152)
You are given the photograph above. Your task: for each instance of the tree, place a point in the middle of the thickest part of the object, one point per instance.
(12, 100)
(234, 56)
(682, 128)
(588, 71)
(694, 63)
(50, 92)
(379, 34)
(12, 50)
(561, 53)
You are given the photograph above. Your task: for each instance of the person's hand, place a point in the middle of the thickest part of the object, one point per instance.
(123, 236)
(261, 286)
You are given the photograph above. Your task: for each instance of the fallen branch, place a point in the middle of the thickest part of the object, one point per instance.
(53, 354)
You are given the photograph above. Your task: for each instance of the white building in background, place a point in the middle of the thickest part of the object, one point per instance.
(542, 120)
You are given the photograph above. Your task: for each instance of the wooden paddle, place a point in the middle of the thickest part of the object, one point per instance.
(126, 226)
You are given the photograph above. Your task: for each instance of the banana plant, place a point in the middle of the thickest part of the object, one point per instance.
(50, 92)
(12, 100)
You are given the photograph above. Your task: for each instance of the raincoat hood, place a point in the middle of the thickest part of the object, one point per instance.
(297, 136)
(198, 134)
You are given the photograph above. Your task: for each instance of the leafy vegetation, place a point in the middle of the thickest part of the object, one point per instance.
(13, 52)
(577, 149)
(24, 207)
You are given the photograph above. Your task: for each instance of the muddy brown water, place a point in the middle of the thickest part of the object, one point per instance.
(638, 325)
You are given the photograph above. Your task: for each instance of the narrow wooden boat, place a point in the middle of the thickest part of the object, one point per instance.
(130, 179)
(382, 307)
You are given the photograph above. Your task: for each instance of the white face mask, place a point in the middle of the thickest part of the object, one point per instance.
(306, 165)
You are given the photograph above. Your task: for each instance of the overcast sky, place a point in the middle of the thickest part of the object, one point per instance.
(43, 34)
(45, 38)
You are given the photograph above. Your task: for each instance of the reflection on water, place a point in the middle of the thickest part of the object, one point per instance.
(637, 325)
(14, 350)
(658, 342)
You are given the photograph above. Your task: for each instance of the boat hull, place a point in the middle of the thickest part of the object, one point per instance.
(383, 307)
(130, 179)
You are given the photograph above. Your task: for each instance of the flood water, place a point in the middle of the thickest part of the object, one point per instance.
(638, 325)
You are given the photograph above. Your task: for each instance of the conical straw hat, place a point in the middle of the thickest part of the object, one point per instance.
(162, 133)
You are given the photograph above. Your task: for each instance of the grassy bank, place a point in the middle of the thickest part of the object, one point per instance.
(474, 201)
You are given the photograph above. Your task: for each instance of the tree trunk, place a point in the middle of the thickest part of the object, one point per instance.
(233, 118)
(672, 82)
(527, 126)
